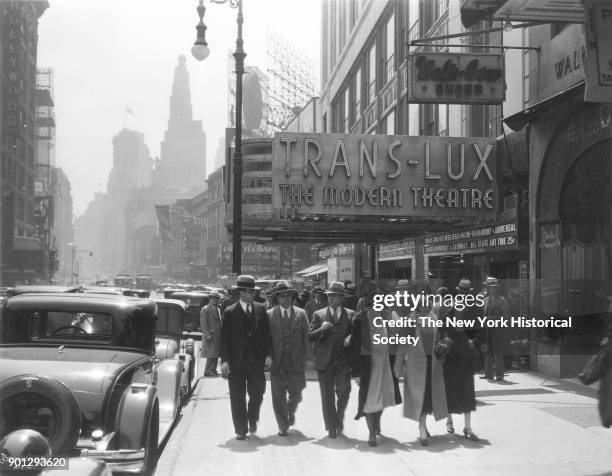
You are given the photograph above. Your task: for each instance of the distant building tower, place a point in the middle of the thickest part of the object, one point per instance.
(183, 150)
(132, 163)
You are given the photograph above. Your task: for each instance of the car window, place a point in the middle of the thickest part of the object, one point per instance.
(71, 325)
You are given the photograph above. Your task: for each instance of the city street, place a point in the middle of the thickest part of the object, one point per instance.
(534, 425)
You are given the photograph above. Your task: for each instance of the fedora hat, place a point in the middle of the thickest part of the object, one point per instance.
(491, 281)
(465, 285)
(403, 284)
(283, 287)
(317, 290)
(215, 294)
(245, 281)
(336, 288)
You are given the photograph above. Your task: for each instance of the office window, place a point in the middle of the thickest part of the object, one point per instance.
(390, 123)
(346, 111)
(372, 73)
(442, 120)
(390, 48)
(356, 95)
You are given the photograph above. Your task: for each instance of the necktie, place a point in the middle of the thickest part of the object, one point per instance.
(285, 314)
(251, 316)
(335, 315)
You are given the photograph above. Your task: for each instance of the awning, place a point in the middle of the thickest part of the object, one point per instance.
(312, 268)
(519, 120)
(545, 11)
(315, 272)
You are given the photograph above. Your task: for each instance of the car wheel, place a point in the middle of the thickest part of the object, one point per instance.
(43, 404)
(151, 445)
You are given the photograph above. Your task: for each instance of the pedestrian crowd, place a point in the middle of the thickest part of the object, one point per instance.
(334, 328)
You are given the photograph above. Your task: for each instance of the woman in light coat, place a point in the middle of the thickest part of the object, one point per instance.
(424, 391)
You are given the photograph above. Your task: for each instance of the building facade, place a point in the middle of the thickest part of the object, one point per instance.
(365, 48)
(23, 256)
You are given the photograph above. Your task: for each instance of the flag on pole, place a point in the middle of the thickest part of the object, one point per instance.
(128, 110)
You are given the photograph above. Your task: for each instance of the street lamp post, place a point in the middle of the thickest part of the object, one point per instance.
(200, 52)
(73, 270)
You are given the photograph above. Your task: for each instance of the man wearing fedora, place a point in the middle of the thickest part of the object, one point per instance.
(495, 306)
(289, 329)
(330, 330)
(246, 350)
(210, 323)
(316, 302)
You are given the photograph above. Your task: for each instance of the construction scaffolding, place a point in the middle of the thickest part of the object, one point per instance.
(287, 85)
(291, 81)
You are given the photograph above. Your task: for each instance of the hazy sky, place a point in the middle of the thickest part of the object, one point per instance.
(109, 54)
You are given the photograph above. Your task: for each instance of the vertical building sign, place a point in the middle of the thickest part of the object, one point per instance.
(598, 62)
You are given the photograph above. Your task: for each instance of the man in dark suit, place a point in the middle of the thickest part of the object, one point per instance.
(330, 330)
(316, 302)
(246, 349)
(289, 328)
(495, 307)
(210, 323)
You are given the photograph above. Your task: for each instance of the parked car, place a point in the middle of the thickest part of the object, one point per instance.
(194, 301)
(81, 370)
(170, 343)
(32, 289)
(103, 290)
(141, 293)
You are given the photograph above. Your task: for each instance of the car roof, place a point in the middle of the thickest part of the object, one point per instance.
(79, 301)
(192, 293)
(171, 302)
(45, 289)
(102, 290)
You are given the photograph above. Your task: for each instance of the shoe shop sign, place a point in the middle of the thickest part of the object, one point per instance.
(383, 175)
(447, 78)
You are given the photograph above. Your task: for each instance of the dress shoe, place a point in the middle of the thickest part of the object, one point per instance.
(282, 433)
(253, 427)
(424, 441)
(485, 377)
(291, 419)
(450, 428)
(241, 436)
(469, 434)
(372, 440)
(499, 379)
(332, 434)
(340, 428)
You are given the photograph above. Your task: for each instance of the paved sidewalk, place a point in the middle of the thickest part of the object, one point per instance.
(533, 426)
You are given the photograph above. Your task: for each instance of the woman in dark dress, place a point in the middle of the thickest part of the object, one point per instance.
(458, 366)
(372, 364)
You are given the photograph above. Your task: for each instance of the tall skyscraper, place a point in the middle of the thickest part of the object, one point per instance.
(183, 150)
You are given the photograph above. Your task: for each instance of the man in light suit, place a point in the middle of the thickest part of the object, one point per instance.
(330, 330)
(210, 323)
(289, 329)
(246, 350)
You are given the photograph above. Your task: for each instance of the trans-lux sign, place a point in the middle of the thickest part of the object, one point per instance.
(403, 176)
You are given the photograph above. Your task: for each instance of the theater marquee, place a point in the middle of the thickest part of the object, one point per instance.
(380, 175)
(456, 78)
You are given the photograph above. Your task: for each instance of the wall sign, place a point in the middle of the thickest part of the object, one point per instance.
(456, 78)
(396, 250)
(376, 175)
(343, 249)
(598, 63)
(501, 235)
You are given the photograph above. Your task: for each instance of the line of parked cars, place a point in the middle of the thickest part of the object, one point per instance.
(99, 375)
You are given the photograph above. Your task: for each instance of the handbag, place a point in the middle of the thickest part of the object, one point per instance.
(595, 368)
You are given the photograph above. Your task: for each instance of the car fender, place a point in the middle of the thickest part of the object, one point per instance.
(135, 409)
(169, 374)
